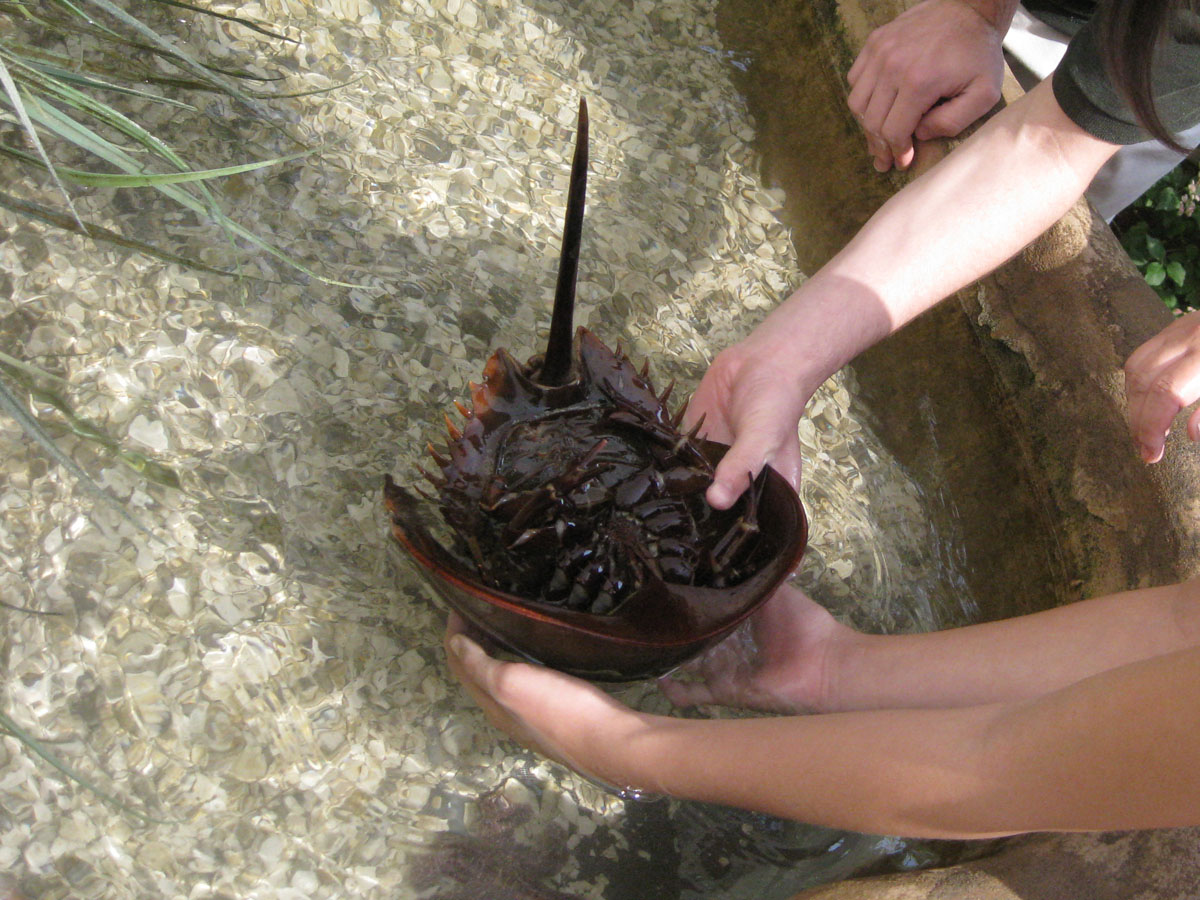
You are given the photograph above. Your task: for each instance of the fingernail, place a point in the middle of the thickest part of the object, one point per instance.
(457, 645)
(718, 497)
(881, 167)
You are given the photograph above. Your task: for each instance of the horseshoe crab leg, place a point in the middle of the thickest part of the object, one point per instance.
(557, 365)
(742, 530)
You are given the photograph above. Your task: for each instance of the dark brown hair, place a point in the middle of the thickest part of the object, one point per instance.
(1129, 32)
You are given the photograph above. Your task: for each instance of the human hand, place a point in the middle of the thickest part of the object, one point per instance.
(930, 72)
(1162, 377)
(781, 661)
(749, 400)
(559, 716)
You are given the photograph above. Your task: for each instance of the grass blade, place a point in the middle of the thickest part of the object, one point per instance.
(36, 746)
(11, 405)
(14, 96)
(27, 368)
(105, 235)
(253, 26)
(66, 127)
(150, 179)
(172, 52)
(53, 73)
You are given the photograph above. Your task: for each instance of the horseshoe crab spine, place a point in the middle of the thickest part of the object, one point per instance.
(556, 367)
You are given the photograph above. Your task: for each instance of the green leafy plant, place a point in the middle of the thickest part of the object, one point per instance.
(1161, 234)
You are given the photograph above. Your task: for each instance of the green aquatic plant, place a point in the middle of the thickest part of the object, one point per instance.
(55, 100)
(13, 405)
(7, 725)
(54, 103)
(32, 381)
(56, 109)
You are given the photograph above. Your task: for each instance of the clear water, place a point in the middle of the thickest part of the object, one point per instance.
(261, 678)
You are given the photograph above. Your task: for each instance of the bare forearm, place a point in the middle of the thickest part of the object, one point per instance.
(971, 212)
(1015, 658)
(1115, 751)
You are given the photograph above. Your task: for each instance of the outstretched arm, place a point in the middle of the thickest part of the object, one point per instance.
(991, 196)
(798, 659)
(1016, 659)
(1116, 750)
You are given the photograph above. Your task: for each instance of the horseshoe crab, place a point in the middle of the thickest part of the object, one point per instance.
(580, 536)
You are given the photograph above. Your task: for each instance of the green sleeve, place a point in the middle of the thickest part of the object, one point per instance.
(1087, 95)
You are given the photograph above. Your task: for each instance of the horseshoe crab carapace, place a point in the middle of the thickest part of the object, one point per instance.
(581, 538)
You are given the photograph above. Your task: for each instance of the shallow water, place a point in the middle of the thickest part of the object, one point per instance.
(261, 678)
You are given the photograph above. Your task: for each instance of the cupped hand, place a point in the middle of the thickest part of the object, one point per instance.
(1162, 377)
(559, 716)
(782, 661)
(750, 400)
(930, 72)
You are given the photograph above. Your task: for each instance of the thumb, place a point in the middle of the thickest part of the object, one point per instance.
(736, 471)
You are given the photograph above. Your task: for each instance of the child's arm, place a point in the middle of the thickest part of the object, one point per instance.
(801, 660)
(1114, 751)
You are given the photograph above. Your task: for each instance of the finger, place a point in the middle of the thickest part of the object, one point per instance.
(861, 63)
(501, 690)
(903, 156)
(761, 440)
(1157, 397)
(880, 105)
(705, 403)
(862, 78)
(1193, 425)
(950, 118)
(1166, 347)
(455, 624)
(471, 666)
(1149, 386)
(735, 472)
(881, 154)
(897, 129)
(685, 694)
(862, 89)
(857, 106)
(489, 675)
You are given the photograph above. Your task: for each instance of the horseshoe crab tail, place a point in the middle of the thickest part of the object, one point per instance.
(557, 365)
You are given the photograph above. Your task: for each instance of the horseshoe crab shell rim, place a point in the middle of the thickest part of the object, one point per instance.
(648, 635)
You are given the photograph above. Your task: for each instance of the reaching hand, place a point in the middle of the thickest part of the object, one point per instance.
(558, 716)
(780, 663)
(930, 72)
(750, 401)
(1162, 377)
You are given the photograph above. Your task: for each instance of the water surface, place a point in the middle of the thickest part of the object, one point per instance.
(261, 678)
